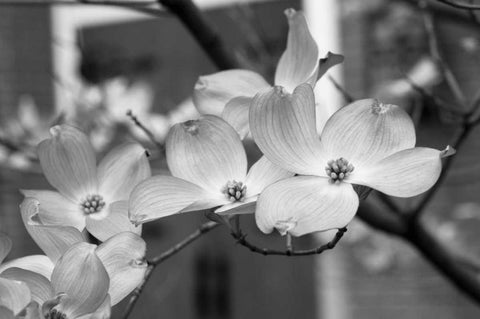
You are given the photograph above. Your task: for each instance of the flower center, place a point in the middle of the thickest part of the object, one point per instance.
(338, 169)
(55, 314)
(235, 191)
(93, 204)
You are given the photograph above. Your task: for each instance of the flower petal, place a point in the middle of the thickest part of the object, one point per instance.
(40, 288)
(81, 276)
(103, 312)
(68, 162)
(367, 131)
(5, 246)
(236, 114)
(55, 209)
(305, 204)
(40, 264)
(262, 174)
(213, 91)
(299, 62)
(283, 126)
(207, 152)
(161, 196)
(14, 295)
(121, 170)
(123, 257)
(32, 311)
(6, 313)
(237, 208)
(404, 174)
(53, 240)
(115, 221)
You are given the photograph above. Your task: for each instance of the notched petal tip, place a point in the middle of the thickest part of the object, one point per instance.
(283, 227)
(290, 13)
(137, 220)
(201, 83)
(55, 130)
(448, 151)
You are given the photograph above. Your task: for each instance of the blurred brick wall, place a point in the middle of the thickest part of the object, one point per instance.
(25, 56)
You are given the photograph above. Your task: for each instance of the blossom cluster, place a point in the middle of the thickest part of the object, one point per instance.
(303, 183)
(77, 279)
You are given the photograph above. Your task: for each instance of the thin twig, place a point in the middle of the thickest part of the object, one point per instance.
(436, 100)
(456, 143)
(348, 98)
(241, 239)
(289, 243)
(435, 52)
(147, 131)
(460, 5)
(152, 263)
(388, 201)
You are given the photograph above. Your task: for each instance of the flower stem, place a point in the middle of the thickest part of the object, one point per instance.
(152, 263)
(241, 239)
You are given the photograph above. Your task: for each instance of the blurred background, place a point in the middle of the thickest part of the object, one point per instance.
(89, 64)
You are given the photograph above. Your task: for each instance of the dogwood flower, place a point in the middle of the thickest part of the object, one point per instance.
(91, 197)
(229, 93)
(84, 280)
(366, 143)
(209, 167)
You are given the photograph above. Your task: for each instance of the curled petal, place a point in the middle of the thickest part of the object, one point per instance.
(236, 114)
(161, 196)
(14, 295)
(55, 209)
(305, 204)
(40, 288)
(404, 174)
(283, 126)
(81, 276)
(68, 162)
(330, 60)
(115, 221)
(53, 240)
(5, 246)
(262, 174)
(213, 91)
(121, 170)
(299, 62)
(367, 131)
(40, 264)
(207, 152)
(123, 256)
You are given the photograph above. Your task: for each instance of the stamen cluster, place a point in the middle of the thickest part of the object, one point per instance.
(338, 169)
(93, 204)
(235, 191)
(54, 314)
